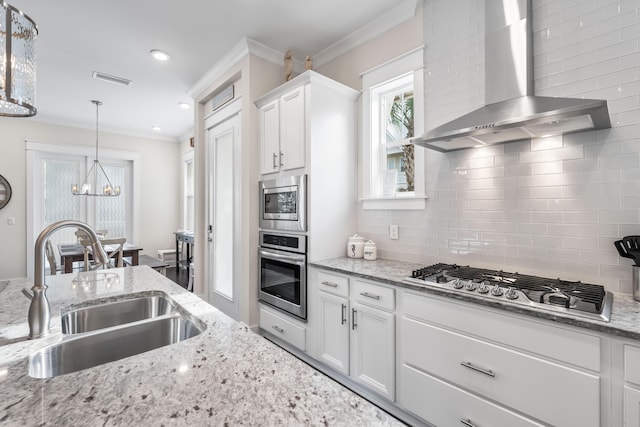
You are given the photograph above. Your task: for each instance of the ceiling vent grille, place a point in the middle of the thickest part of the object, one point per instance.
(112, 79)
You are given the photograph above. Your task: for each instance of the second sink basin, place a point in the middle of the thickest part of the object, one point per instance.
(84, 351)
(105, 315)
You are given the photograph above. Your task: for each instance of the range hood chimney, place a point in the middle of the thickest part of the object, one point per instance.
(511, 112)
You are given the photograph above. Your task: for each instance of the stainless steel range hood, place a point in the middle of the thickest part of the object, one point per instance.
(512, 112)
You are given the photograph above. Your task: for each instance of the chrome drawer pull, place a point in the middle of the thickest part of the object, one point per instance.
(333, 285)
(278, 329)
(368, 295)
(467, 422)
(487, 372)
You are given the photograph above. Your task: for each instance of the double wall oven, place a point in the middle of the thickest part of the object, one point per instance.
(283, 245)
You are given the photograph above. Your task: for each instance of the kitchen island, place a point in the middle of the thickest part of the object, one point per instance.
(227, 375)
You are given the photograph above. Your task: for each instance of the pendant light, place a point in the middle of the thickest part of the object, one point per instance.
(96, 171)
(18, 35)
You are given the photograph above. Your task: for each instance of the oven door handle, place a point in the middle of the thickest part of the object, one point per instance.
(281, 256)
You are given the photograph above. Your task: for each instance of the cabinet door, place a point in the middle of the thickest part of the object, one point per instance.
(269, 125)
(631, 407)
(334, 332)
(292, 130)
(373, 349)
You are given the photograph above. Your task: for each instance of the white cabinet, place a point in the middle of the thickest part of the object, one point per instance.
(632, 385)
(283, 327)
(333, 348)
(355, 336)
(282, 133)
(373, 349)
(474, 352)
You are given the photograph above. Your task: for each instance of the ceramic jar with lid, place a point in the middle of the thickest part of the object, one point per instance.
(355, 246)
(370, 250)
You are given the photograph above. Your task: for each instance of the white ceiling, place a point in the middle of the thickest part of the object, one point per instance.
(78, 37)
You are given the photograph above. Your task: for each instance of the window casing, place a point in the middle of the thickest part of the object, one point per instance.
(52, 168)
(391, 168)
(189, 192)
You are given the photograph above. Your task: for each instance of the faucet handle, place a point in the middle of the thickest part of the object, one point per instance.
(27, 293)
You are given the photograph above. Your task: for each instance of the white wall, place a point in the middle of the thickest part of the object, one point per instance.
(549, 207)
(159, 182)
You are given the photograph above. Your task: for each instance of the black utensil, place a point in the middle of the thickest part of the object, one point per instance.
(622, 250)
(632, 246)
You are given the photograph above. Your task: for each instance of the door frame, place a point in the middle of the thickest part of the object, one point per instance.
(230, 307)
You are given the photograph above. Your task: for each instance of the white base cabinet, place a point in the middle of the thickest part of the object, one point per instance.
(445, 347)
(355, 337)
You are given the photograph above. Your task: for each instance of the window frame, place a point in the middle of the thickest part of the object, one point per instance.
(188, 158)
(372, 163)
(35, 151)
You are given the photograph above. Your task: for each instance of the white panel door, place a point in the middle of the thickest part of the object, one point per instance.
(269, 137)
(373, 349)
(292, 130)
(333, 348)
(223, 141)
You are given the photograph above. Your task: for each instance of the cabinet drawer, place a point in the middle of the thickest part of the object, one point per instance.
(447, 405)
(632, 364)
(533, 386)
(282, 328)
(568, 346)
(334, 284)
(373, 295)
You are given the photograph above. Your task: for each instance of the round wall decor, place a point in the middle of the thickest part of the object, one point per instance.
(5, 192)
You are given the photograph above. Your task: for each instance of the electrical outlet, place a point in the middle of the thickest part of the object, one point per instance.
(393, 232)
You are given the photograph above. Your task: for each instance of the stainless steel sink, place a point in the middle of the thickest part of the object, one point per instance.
(131, 308)
(82, 351)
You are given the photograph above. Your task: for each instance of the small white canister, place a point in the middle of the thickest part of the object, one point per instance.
(355, 246)
(370, 251)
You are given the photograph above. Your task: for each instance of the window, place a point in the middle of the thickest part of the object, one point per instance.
(52, 168)
(392, 168)
(189, 193)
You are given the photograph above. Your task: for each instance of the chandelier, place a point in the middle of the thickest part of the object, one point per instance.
(17, 62)
(96, 175)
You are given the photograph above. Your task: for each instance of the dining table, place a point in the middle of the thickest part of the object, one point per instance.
(74, 252)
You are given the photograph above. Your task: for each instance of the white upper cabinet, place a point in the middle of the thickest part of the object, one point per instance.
(282, 133)
(292, 130)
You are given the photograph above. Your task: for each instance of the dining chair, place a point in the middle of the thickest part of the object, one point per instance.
(114, 247)
(81, 234)
(51, 257)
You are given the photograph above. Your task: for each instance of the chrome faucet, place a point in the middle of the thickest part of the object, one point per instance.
(39, 310)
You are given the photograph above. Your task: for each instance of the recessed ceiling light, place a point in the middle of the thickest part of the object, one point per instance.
(156, 128)
(183, 105)
(160, 55)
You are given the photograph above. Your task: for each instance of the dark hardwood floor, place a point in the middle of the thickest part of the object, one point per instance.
(180, 277)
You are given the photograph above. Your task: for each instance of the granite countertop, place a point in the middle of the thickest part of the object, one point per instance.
(228, 375)
(625, 313)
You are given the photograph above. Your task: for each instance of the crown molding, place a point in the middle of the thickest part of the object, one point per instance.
(399, 14)
(243, 48)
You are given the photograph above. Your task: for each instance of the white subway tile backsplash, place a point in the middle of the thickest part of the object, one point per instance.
(540, 205)
(547, 168)
(580, 217)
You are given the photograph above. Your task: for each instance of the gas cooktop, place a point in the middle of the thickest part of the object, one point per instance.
(560, 296)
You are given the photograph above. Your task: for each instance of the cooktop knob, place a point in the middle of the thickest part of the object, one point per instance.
(483, 288)
(497, 291)
(470, 286)
(457, 284)
(511, 293)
